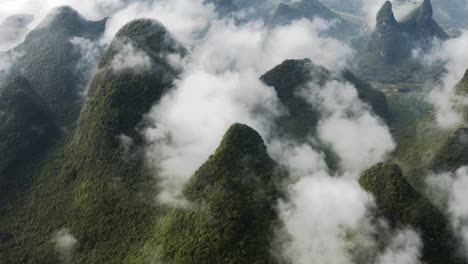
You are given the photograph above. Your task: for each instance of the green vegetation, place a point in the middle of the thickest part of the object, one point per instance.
(402, 206)
(90, 182)
(417, 147)
(231, 209)
(49, 61)
(423, 145)
(462, 86)
(292, 75)
(300, 122)
(405, 109)
(87, 185)
(28, 130)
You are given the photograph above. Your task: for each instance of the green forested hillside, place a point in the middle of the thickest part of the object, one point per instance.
(88, 186)
(76, 185)
(49, 60)
(423, 145)
(402, 206)
(28, 129)
(291, 76)
(231, 211)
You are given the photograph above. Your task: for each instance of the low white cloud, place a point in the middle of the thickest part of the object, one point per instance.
(321, 207)
(13, 30)
(186, 20)
(92, 9)
(6, 61)
(130, 58)
(65, 244)
(300, 159)
(449, 191)
(90, 54)
(444, 96)
(349, 126)
(404, 248)
(319, 211)
(220, 86)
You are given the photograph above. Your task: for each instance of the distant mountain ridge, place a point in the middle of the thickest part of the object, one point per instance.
(388, 55)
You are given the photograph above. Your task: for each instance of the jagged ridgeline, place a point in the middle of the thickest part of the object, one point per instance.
(48, 59)
(403, 206)
(231, 211)
(27, 128)
(291, 76)
(313, 9)
(387, 56)
(89, 186)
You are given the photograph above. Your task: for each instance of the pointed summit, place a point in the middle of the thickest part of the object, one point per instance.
(385, 16)
(133, 74)
(147, 35)
(64, 15)
(402, 205)
(420, 23)
(289, 77)
(241, 140)
(387, 56)
(50, 60)
(426, 9)
(425, 15)
(234, 193)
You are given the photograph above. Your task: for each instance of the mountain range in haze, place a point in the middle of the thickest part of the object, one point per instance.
(313, 138)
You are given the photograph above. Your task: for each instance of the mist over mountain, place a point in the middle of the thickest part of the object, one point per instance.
(48, 58)
(389, 56)
(448, 13)
(301, 119)
(232, 131)
(13, 29)
(340, 27)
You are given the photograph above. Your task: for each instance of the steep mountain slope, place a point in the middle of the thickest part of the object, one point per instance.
(28, 129)
(290, 76)
(90, 187)
(402, 206)
(462, 86)
(232, 206)
(309, 9)
(425, 146)
(313, 9)
(387, 56)
(49, 60)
